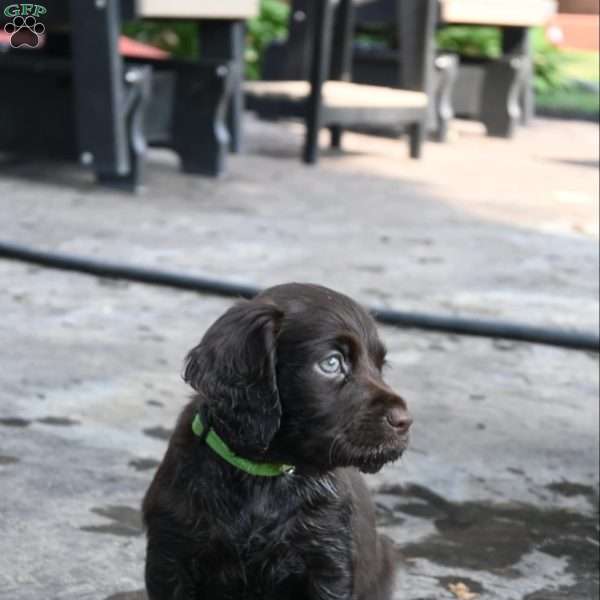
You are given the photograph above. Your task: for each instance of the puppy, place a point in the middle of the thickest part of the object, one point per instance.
(259, 495)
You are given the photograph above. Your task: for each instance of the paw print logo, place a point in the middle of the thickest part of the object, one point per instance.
(24, 32)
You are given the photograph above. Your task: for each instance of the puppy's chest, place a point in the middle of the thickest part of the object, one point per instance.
(264, 544)
(265, 529)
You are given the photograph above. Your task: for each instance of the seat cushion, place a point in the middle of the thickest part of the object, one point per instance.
(518, 13)
(343, 102)
(198, 9)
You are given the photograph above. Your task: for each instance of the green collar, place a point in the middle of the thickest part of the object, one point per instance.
(221, 448)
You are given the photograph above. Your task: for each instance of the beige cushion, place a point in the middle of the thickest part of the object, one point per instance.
(198, 9)
(340, 94)
(524, 13)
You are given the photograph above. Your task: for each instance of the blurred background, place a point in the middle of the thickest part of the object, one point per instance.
(436, 160)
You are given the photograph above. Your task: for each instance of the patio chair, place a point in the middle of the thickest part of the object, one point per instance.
(104, 109)
(496, 91)
(312, 79)
(390, 61)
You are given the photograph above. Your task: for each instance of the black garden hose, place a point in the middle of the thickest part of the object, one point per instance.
(576, 340)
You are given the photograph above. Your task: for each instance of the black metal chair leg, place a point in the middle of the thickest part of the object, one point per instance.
(501, 110)
(200, 134)
(441, 109)
(321, 62)
(516, 42)
(100, 89)
(527, 99)
(336, 133)
(223, 40)
(416, 133)
(236, 104)
(138, 81)
(311, 145)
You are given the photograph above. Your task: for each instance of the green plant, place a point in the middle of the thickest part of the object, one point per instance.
(549, 64)
(582, 65)
(271, 24)
(569, 101)
(486, 42)
(481, 42)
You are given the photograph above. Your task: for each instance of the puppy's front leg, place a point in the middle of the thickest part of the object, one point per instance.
(330, 575)
(339, 590)
(166, 579)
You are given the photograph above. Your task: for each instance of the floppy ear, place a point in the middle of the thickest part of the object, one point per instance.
(233, 368)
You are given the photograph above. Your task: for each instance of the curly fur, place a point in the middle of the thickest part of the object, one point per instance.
(218, 533)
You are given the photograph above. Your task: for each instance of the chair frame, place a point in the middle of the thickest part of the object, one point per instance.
(327, 55)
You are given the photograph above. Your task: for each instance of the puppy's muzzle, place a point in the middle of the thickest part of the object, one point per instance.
(396, 415)
(399, 419)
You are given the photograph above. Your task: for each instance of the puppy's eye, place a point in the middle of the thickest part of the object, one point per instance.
(332, 364)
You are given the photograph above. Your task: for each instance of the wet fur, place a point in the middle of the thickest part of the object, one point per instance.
(218, 533)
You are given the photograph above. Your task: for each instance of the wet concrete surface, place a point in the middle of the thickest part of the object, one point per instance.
(18, 422)
(498, 493)
(162, 433)
(126, 521)
(144, 464)
(496, 538)
(14, 422)
(58, 421)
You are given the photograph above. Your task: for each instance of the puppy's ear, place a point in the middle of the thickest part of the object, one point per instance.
(233, 368)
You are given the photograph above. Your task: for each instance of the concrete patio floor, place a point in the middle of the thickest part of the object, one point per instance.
(498, 495)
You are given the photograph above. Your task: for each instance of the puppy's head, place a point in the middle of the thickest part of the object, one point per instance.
(294, 376)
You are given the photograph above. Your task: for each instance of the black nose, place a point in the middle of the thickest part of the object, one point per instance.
(399, 419)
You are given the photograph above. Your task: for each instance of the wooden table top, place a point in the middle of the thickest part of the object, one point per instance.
(197, 9)
(515, 13)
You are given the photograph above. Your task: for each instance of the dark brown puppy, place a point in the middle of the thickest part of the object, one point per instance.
(292, 377)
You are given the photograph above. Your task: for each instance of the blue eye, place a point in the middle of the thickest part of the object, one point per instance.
(332, 364)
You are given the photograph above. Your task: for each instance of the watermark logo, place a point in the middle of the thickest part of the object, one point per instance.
(24, 29)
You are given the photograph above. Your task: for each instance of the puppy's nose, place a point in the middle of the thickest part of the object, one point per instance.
(399, 419)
